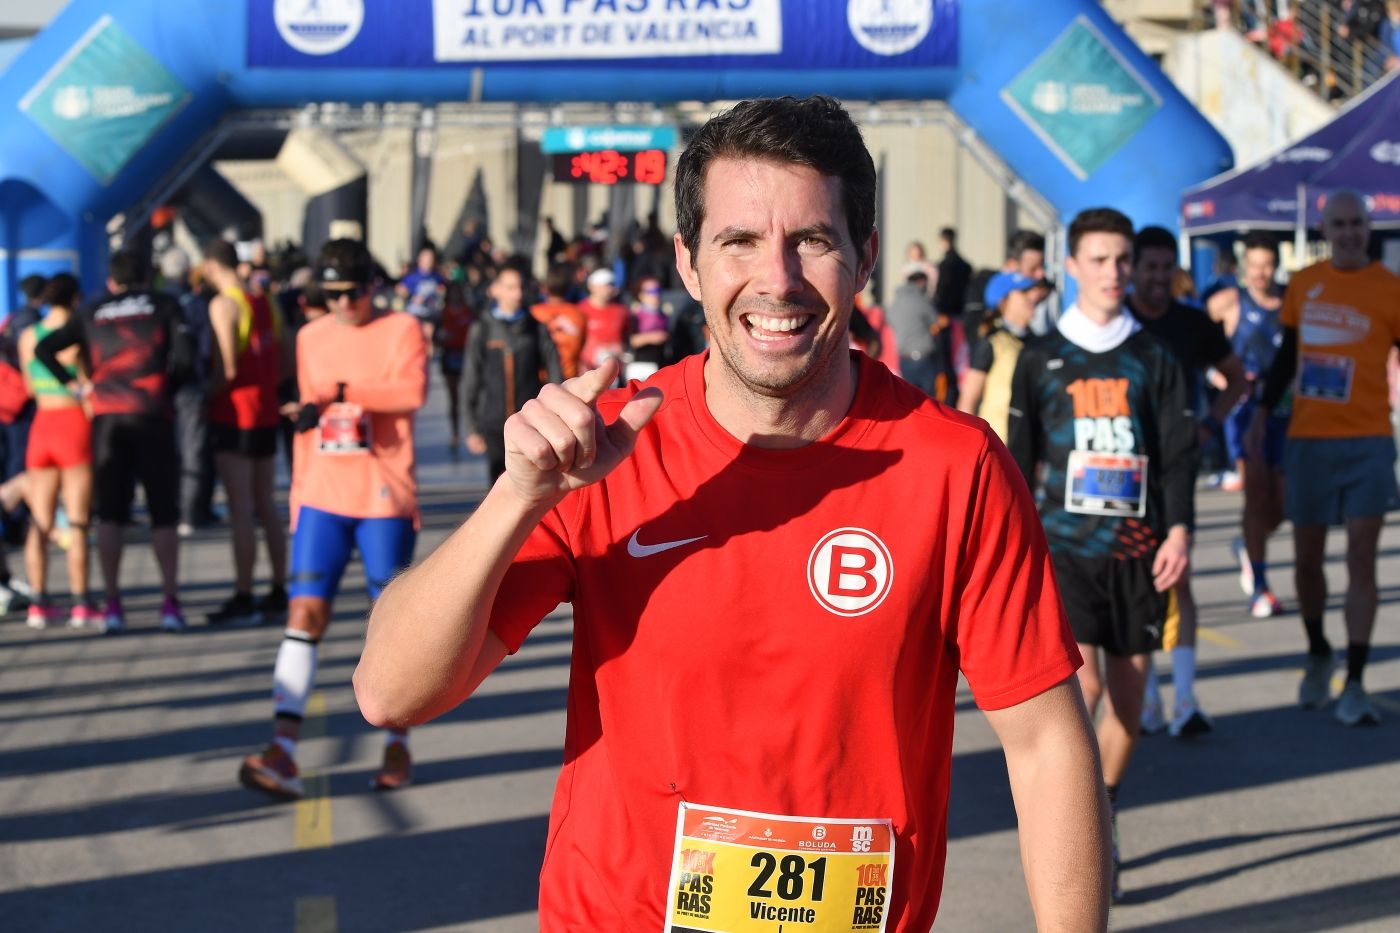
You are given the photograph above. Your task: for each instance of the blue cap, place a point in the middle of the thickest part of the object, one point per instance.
(1004, 283)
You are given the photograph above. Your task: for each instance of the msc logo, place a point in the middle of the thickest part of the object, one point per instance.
(850, 572)
(861, 838)
(319, 27)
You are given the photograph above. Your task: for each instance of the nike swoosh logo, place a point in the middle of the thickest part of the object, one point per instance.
(636, 549)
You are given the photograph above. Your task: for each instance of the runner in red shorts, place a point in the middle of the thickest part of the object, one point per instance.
(58, 462)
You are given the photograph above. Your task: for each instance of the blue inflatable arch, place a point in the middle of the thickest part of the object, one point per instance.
(114, 92)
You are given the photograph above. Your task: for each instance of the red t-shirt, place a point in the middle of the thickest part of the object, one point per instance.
(734, 668)
(607, 331)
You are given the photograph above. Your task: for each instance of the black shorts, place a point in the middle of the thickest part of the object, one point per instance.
(257, 443)
(1111, 603)
(126, 448)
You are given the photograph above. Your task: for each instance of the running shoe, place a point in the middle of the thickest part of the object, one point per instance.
(1188, 719)
(238, 610)
(172, 618)
(83, 615)
(274, 604)
(1153, 721)
(271, 771)
(1230, 481)
(1316, 687)
(113, 618)
(1237, 548)
(41, 613)
(1354, 707)
(397, 770)
(1265, 605)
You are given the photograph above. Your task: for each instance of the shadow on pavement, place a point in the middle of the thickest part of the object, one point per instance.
(1329, 909)
(404, 881)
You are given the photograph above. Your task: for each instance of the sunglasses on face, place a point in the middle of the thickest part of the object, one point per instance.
(353, 291)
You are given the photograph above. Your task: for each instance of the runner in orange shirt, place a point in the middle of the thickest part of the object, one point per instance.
(566, 323)
(1340, 318)
(362, 374)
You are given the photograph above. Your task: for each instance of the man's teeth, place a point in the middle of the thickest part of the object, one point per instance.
(776, 325)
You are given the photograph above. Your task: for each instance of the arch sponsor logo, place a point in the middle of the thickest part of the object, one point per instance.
(850, 572)
(1387, 151)
(319, 27)
(889, 27)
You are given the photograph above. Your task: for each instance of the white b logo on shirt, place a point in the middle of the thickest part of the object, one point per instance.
(850, 571)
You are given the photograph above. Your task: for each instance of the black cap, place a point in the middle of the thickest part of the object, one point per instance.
(344, 261)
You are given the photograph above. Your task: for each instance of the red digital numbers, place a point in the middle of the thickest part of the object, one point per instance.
(651, 167)
(609, 167)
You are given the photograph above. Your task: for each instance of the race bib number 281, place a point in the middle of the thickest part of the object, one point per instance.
(743, 872)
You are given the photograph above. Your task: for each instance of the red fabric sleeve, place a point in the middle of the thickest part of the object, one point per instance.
(1013, 639)
(540, 578)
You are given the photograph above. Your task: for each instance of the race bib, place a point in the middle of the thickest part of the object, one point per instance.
(344, 429)
(1325, 377)
(1106, 484)
(738, 871)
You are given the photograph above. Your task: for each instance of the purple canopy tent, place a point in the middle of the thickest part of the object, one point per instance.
(1359, 149)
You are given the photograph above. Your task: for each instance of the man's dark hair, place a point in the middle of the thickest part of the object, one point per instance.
(558, 279)
(813, 131)
(32, 287)
(126, 269)
(223, 252)
(1098, 220)
(949, 234)
(344, 260)
(1261, 240)
(1153, 238)
(1023, 240)
(61, 291)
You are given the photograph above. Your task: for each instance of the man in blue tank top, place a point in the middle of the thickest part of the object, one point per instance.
(1251, 315)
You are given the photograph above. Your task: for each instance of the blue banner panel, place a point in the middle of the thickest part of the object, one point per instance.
(105, 99)
(1082, 98)
(781, 34)
(624, 138)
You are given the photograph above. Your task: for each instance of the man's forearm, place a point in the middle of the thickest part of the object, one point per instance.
(1062, 811)
(428, 628)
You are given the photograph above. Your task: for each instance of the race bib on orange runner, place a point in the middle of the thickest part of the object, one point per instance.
(344, 429)
(1106, 484)
(737, 871)
(1325, 377)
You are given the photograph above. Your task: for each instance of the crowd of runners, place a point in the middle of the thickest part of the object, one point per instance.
(728, 395)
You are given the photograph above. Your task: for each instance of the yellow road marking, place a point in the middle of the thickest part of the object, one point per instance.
(1218, 638)
(313, 829)
(315, 915)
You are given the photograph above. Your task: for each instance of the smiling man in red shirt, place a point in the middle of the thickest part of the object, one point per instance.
(780, 557)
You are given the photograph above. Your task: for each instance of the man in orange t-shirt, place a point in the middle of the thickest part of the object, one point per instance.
(362, 373)
(1341, 317)
(566, 323)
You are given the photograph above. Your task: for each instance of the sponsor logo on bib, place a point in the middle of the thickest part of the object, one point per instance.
(850, 571)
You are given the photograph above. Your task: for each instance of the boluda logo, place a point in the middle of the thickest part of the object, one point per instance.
(319, 27)
(850, 572)
(889, 27)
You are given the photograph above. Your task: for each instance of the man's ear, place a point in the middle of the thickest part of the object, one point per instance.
(686, 267)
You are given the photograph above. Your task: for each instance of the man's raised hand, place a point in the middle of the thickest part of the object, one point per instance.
(558, 442)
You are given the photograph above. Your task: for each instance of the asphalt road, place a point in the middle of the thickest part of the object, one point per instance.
(120, 809)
